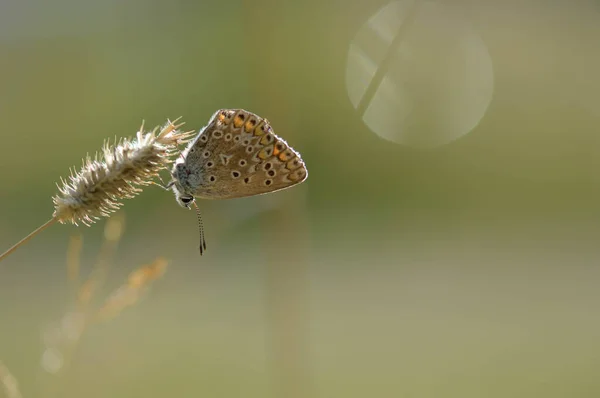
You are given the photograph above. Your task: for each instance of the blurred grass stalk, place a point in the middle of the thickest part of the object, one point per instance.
(9, 382)
(63, 339)
(286, 266)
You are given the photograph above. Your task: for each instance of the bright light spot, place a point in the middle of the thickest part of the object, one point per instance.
(418, 74)
(52, 360)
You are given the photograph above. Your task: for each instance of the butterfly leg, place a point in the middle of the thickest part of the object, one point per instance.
(164, 186)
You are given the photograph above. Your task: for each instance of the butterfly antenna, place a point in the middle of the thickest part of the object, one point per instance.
(201, 228)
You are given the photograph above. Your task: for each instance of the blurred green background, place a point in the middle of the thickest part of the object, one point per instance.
(445, 243)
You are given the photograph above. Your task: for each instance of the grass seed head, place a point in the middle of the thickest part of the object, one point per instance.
(117, 173)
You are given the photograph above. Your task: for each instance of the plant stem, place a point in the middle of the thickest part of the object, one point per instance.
(26, 239)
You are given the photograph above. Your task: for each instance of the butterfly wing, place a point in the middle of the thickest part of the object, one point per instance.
(237, 154)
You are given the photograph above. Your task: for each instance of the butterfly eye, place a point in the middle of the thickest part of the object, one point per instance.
(186, 200)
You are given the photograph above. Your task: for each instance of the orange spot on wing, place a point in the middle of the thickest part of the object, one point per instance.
(238, 121)
(263, 154)
(250, 125)
(291, 165)
(265, 139)
(260, 129)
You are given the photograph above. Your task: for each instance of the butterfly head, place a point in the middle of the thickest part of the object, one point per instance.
(184, 200)
(179, 175)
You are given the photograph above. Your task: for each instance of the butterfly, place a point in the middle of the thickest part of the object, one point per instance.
(235, 155)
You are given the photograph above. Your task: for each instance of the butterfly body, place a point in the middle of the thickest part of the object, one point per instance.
(235, 155)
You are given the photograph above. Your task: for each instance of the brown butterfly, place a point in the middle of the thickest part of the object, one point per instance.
(236, 155)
